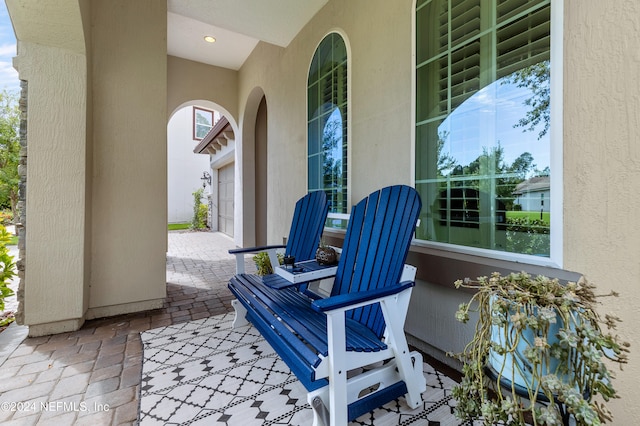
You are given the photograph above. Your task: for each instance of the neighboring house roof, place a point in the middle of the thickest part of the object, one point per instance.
(218, 136)
(535, 184)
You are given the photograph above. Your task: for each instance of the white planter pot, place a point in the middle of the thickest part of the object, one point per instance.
(514, 366)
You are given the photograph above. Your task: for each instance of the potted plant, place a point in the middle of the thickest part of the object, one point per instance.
(536, 340)
(325, 254)
(263, 264)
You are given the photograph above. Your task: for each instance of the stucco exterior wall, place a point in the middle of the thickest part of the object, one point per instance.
(602, 166)
(193, 83)
(130, 156)
(601, 154)
(256, 79)
(97, 155)
(121, 171)
(55, 23)
(56, 178)
(188, 81)
(184, 167)
(379, 110)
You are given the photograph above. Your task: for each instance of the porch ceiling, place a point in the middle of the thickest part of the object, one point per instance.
(238, 26)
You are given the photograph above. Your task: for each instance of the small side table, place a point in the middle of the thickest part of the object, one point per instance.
(301, 273)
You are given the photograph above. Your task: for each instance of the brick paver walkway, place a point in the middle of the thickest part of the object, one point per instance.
(92, 376)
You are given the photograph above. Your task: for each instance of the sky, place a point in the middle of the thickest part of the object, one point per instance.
(488, 118)
(8, 75)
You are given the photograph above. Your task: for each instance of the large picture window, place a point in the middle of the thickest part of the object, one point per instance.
(327, 124)
(483, 142)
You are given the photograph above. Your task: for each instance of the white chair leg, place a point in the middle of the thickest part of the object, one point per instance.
(410, 371)
(418, 381)
(240, 319)
(338, 404)
(239, 263)
(317, 403)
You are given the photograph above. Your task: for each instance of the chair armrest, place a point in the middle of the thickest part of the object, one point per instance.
(254, 249)
(240, 252)
(361, 298)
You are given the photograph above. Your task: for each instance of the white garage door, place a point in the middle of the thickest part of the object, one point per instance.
(225, 199)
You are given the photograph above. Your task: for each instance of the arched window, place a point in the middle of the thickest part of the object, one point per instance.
(327, 123)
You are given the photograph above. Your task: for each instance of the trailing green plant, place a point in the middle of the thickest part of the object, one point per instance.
(7, 265)
(263, 263)
(200, 211)
(556, 340)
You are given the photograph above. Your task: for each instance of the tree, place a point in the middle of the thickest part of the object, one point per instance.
(333, 162)
(522, 165)
(492, 163)
(536, 78)
(9, 150)
(446, 162)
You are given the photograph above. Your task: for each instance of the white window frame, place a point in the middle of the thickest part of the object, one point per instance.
(555, 259)
(345, 39)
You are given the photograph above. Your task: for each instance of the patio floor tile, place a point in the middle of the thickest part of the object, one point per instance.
(100, 365)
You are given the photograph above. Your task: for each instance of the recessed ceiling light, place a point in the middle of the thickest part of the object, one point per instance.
(210, 39)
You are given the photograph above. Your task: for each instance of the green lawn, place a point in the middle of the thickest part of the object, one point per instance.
(546, 216)
(178, 226)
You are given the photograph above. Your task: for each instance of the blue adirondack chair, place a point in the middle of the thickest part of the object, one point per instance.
(308, 221)
(359, 328)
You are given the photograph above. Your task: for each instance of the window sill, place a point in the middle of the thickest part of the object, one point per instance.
(443, 264)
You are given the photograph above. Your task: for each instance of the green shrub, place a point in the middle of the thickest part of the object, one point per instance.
(6, 266)
(527, 225)
(528, 236)
(200, 211)
(263, 263)
(203, 211)
(6, 217)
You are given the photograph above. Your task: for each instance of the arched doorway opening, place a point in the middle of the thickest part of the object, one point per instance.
(261, 173)
(201, 155)
(184, 168)
(254, 169)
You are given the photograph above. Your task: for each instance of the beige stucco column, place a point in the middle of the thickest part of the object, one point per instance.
(602, 167)
(56, 192)
(96, 165)
(129, 186)
(57, 174)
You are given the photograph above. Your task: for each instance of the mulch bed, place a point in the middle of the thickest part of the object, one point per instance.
(7, 317)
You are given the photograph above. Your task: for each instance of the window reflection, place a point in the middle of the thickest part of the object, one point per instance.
(482, 123)
(493, 167)
(327, 124)
(332, 148)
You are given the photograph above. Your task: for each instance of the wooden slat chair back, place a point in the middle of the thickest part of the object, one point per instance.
(376, 246)
(309, 217)
(359, 328)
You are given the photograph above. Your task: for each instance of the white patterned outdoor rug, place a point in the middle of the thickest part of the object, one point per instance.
(204, 372)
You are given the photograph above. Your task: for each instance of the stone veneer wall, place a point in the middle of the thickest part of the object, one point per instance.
(20, 221)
